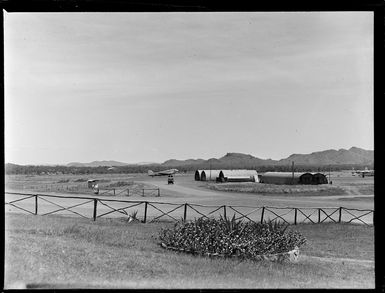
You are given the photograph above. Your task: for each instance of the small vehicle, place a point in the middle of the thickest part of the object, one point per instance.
(170, 179)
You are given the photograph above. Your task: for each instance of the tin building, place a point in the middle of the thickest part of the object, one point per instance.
(238, 176)
(287, 178)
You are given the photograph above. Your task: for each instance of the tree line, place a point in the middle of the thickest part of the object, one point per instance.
(13, 169)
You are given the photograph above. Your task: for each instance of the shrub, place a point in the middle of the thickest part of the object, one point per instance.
(120, 184)
(63, 181)
(133, 217)
(80, 180)
(230, 237)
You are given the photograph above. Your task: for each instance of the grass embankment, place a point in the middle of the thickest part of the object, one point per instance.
(59, 252)
(268, 189)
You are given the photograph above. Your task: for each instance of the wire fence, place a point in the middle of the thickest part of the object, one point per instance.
(150, 211)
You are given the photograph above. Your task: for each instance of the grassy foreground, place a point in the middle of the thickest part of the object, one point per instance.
(64, 252)
(267, 189)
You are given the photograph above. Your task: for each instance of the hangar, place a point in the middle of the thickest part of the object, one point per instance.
(198, 174)
(319, 178)
(209, 175)
(238, 176)
(293, 178)
(286, 178)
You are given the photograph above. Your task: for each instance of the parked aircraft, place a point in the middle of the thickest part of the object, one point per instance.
(363, 173)
(162, 173)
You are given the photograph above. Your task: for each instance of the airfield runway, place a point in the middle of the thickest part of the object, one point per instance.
(186, 190)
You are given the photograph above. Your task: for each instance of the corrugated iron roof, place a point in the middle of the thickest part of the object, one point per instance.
(242, 172)
(284, 174)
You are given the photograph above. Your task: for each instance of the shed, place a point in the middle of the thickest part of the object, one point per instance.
(92, 182)
(238, 176)
(286, 178)
(210, 175)
(319, 178)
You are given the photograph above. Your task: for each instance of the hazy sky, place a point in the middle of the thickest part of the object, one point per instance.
(147, 87)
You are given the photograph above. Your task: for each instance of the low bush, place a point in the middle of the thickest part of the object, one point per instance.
(63, 181)
(120, 184)
(80, 180)
(230, 237)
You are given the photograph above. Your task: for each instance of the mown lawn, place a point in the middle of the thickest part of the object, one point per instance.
(269, 189)
(64, 252)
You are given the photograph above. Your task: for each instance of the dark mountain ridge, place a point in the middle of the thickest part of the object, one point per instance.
(232, 160)
(353, 156)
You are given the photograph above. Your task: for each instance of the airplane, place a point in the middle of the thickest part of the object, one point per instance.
(363, 173)
(162, 173)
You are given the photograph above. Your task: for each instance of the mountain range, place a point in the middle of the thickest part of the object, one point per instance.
(107, 164)
(352, 156)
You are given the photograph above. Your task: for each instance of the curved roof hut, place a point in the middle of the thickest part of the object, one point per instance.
(238, 176)
(210, 175)
(306, 178)
(198, 174)
(287, 178)
(319, 178)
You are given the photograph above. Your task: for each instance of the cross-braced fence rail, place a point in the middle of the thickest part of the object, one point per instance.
(150, 211)
(130, 192)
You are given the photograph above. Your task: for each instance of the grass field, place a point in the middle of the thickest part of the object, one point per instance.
(268, 189)
(60, 252)
(343, 184)
(74, 183)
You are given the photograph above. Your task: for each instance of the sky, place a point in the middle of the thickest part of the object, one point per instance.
(148, 87)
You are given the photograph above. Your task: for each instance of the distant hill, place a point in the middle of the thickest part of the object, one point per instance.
(97, 164)
(108, 164)
(145, 163)
(352, 156)
(230, 160)
(332, 157)
(183, 162)
(329, 157)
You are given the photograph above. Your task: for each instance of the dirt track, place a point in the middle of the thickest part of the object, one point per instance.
(186, 190)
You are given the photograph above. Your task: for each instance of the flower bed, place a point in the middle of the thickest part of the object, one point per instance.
(231, 238)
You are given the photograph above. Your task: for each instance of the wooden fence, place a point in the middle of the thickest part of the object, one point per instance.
(149, 211)
(130, 192)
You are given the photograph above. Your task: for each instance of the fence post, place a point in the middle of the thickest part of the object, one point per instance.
(295, 216)
(36, 196)
(128, 192)
(143, 192)
(263, 212)
(224, 212)
(114, 191)
(145, 212)
(340, 216)
(158, 192)
(95, 207)
(185, 212)
(319, 215)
